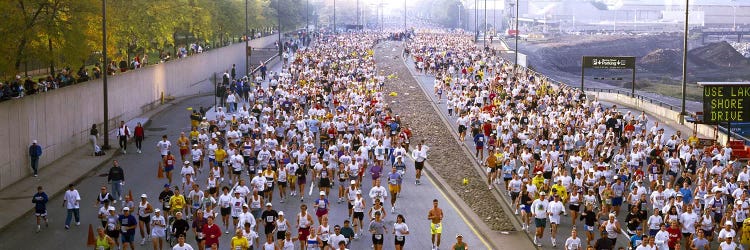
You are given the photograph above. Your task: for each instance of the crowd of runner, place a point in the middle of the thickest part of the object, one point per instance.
(321, 123)
(558, 154)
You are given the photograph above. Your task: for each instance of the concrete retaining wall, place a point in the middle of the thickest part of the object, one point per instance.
(60, 119)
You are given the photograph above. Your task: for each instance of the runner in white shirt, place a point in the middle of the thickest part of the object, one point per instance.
(555, 208)
(225, 206)
(573, 242)
(539, 211)
(181, 245)
(158, 228)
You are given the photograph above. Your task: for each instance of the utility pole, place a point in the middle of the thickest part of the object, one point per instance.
(105, 68)
(683, 112)
(357, 13)
(278, 19)
(515, 64)
(476, 21)
(307, 15)
(247, 44)
(485, 23)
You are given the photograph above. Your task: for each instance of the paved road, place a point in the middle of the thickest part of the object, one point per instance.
(140, 173)
(427, 82)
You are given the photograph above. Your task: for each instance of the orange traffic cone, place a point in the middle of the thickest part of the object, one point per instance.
(91, 241)
(159, 173)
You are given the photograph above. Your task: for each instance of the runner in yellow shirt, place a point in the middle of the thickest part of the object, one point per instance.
(221, 155)
(239, 242)
(177, 201)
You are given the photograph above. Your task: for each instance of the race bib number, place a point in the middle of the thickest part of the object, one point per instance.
(400, 238)
(269, 184)
(269, 219)
(437, 226)
(378, 236)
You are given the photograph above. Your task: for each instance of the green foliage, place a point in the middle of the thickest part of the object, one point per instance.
(58, 33)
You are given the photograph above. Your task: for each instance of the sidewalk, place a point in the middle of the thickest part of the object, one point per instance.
(55, 177)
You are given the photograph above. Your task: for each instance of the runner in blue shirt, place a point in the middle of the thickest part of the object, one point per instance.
(40, 200)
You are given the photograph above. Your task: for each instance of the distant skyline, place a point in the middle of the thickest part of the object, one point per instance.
(675, 3)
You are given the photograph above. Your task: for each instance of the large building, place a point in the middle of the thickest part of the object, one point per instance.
(613, 15)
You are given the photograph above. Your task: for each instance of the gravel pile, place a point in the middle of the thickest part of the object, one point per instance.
(445, 155)
(743, 48)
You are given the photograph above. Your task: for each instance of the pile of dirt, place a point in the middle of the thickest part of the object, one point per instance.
(567, 57)
(720, 54)
(662, 61)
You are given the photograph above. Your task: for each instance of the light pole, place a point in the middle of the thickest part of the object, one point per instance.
(476, 21)
(247, 43)
(357, 14)
(683, 112)
(278, 19)
(334, 17)
(105, 67)
(517, 32)
(459, 15)
(484, 37)
(307, 14)
(404, 16)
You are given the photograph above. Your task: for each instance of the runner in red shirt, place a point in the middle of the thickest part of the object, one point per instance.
(675, 234)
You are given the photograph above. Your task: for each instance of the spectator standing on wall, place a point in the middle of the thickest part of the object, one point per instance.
(35, 151)
(123, 133)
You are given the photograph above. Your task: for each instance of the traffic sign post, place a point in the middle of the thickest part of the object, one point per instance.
(608, 62)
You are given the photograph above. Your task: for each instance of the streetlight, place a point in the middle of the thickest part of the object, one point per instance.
(334, 17)
(683, 112)
(517, 32)
(485, 24)
(476, 21)
(404, 16)
(247, 44)
(278, 19)
(105, 67)
(307, 15)
(459, 14)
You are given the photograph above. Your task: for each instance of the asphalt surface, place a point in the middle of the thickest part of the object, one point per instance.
(141, 177)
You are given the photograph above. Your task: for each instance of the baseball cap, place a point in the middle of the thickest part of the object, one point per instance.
(353, 182)
(281, 213)
(111, 209)
(244, 205)
(126, 209)
(359, 192)
(728, 223)
(195, 145)
(322, 192)
(269, 204)
(542, 193)
(34, 141)
(157, 210)
(187, 162)
(538, 172)
(166, 185)
(144, 196)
